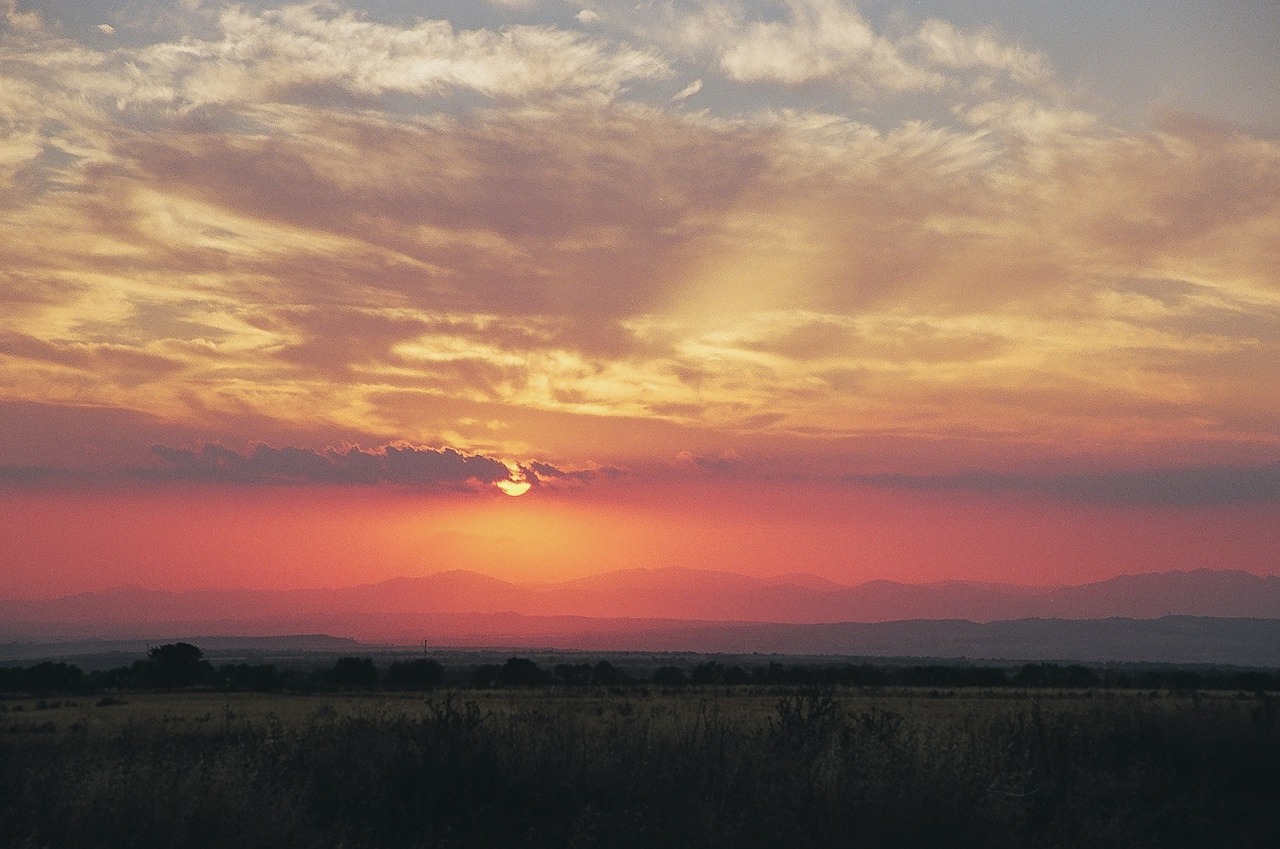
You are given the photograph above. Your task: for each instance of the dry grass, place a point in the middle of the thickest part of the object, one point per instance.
(731, 767)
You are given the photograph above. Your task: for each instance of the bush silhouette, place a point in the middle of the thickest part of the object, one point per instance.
(521, 672)
(417, 674)
(355, 673)
(177, 665)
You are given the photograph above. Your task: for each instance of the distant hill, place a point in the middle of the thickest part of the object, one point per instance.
(676, 593)
(689, 609)
(1169, 639)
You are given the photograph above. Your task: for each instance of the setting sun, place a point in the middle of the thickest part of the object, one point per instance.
(869, 291)
(514, 488)
(849, 349)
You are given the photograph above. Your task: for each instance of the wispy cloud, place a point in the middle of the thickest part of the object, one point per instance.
(807, 41)
(321, 51)
(411, 229)
(949, 47)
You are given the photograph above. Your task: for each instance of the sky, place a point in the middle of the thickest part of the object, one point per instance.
(301, 294)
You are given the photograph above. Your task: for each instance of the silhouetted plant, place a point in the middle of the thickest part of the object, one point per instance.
(824, 770)
(485, 675)
(521, 672)
(261, 678)
(418, 674)
(606, 674)
(177, 665)
(803, 717)
(573, 674)
(669, 676)
(355, 673)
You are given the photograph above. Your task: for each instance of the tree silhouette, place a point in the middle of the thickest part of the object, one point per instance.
(417, 674)
(485, 675)
(713, 672)
(355, 673)
(606, 673)
(521, 672)
(573, 674)
(177, 665)
(669, 676)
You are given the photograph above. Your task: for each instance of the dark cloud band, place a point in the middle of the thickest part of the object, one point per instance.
(1190, 487)
(394, 464)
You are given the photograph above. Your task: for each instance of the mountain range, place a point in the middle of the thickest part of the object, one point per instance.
(672, 593)
(1169, 615)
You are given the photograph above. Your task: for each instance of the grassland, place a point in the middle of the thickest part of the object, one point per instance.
(745, 766)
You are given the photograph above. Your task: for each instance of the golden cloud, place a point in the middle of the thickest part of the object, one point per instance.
(307, 215)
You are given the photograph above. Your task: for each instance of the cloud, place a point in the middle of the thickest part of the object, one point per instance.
(399, 465)
(120, 363)
(688, 91)
(545, 474)
(1205, 486)
(62, 438)
(811, 40)
(309, 216)
(392, 464)
(949, 47)
(25, 476)
(29, 21)
(726, 462)
(339, 339)
(303, 50)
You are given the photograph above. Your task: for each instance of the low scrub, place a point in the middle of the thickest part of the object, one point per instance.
(814, 769)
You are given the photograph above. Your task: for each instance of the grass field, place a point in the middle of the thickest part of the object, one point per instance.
(711, 767)
(195, 709)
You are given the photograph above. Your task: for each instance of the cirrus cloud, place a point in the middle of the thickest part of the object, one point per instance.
(412, 229)
(320, 51)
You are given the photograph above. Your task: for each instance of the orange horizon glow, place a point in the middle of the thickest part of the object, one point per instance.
(180, 538)
(312, 294)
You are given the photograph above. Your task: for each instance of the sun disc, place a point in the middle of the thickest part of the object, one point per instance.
(514, 488)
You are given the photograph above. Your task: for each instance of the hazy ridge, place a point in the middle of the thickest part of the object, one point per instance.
(1199, 616)
(685, 594)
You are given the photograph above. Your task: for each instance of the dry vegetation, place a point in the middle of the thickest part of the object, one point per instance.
(641, 767)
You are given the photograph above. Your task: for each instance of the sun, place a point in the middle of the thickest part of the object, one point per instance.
(514, 488)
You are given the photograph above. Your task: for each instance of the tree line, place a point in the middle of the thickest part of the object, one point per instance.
(183, 665)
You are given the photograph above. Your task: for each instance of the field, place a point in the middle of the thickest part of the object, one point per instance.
(738, 766)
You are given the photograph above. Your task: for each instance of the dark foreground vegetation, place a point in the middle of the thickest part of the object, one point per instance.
(724, 767)
(177, 665)
(584, 755)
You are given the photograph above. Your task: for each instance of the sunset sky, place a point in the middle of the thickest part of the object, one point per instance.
(912, 290)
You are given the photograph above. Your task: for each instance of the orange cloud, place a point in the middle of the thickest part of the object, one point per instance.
(514, 241)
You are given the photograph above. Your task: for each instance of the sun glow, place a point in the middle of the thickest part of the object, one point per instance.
(514, 488)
